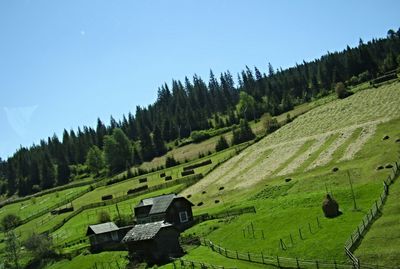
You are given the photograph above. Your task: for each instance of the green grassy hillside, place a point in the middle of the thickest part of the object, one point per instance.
(346, 134)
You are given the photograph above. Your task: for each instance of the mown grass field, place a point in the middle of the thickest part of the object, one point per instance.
(345, 134)
(284, 207)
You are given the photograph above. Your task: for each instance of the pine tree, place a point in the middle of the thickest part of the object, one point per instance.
(158, 142)
(221, 144)
(146, 145)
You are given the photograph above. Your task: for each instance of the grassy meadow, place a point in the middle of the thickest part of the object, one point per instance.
(285, 176)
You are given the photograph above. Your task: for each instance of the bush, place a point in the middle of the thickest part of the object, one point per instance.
(39, 245)
(341, 90)
(221, 144)
(123, 220)
(170, 161)
(10, 221)
(243, 134)
(198, 136)
(271, 125)
(104, 216)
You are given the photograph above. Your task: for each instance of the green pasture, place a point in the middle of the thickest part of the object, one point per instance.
(38, 204)
(106, 260)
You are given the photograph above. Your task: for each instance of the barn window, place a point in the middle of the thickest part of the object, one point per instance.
(183, 216)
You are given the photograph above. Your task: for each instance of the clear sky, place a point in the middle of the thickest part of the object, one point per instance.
(65, 63)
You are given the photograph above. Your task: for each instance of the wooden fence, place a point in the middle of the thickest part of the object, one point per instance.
(358, 234)
(109, 265)
(280, 262)
(224, 214)
(182, 263)
(186, 181)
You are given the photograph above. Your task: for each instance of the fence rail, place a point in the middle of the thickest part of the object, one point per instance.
(280, 262)
(189, 180)
(182, 263)
(358, 234)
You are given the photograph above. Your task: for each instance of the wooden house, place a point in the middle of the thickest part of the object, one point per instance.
(154, 242)
(106, 236)
(170, 208)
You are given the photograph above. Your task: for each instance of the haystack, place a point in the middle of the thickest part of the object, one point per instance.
(330, 207)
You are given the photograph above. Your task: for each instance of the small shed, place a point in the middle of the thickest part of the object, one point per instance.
(154, 242)
(106, 236)
(170, 208)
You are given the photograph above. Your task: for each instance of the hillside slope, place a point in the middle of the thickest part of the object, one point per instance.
(322, 130)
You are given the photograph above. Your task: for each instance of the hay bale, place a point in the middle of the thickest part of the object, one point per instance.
(162, 175)
(330, 207)
(288, 179)
(188, 196)
(203, 192)
(216, 201)
(335, 169)
(187, 172)
(388, 166)
(168, 178)
(380, 167)
(386, 137)
(221, 188)
(200, 204)
(142, 180)
(106, 197)
(398, 140)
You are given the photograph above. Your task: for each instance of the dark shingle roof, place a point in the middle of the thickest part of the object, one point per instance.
(145, 231)
(102, 228)
(159, 204)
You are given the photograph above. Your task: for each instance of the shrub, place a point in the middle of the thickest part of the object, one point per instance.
(243, 134)
(221, 144)
(39, 245)
(271, 125)
(104, 216)
(123, 220)
(341, 90)
(170, 161)
(10, 221)
(198, 136)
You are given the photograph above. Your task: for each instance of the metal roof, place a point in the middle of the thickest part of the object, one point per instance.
(102, 228)
(145, 231)
(159, 204)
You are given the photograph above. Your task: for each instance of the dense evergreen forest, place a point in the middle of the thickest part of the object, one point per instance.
(190, 105)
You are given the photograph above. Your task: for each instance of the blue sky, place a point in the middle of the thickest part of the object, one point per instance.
(63, 64)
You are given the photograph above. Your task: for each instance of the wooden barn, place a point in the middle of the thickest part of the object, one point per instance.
(154, 242)
(106, 236)
(170, 208)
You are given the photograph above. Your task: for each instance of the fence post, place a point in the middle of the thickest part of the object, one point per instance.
(248, 254)
(262, 257)
(291, 238)
(237, 255)
(309, 227)
(319, 225)
(316, 263)
(297, 263)
(376, 204)
(335, 264)
(277, 260)
(301, 236)
(358, 230)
